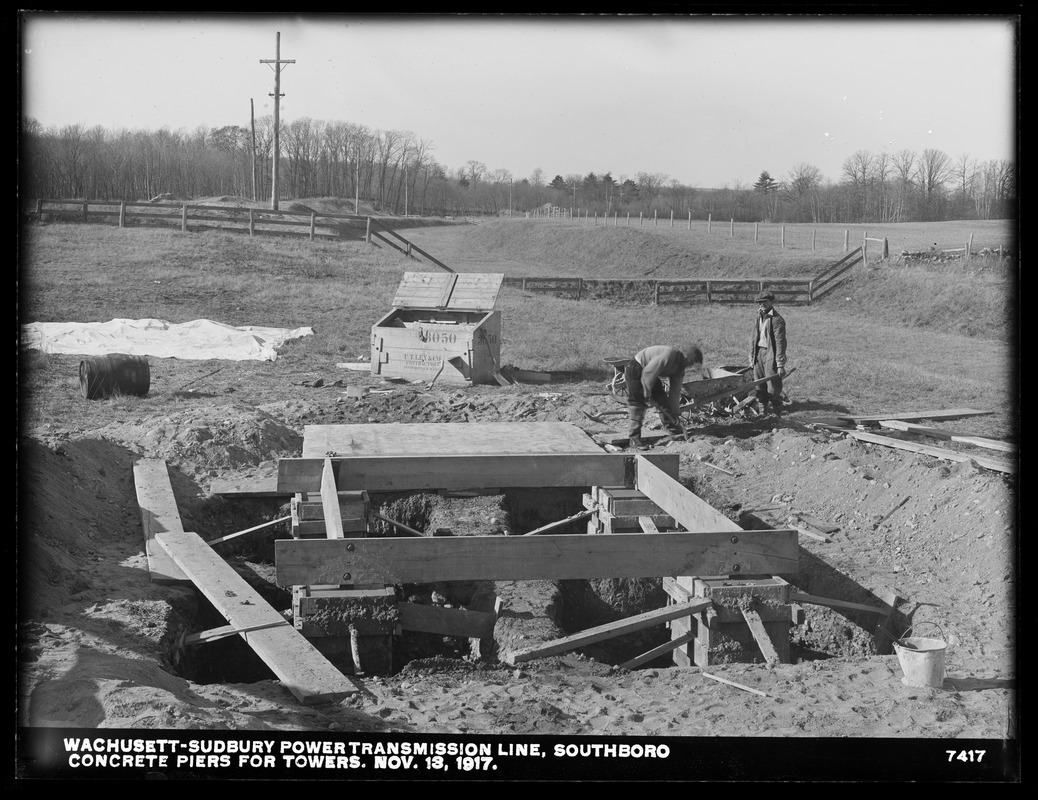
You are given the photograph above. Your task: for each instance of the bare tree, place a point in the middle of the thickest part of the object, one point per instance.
(903, 162)
(857, 169)
(801, 188)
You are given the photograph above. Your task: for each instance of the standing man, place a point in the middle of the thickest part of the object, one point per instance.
(643, 375)
(768, 352)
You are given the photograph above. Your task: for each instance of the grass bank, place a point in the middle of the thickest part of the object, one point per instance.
(897, 335)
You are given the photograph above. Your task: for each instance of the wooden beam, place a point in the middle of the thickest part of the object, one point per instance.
(246, 488)
(656, 652)
(937, 433)
(647, 525)
(800, 597)
(297, 664)
(559, 523)
(952, 413)
(262, 525)
(687, 509)
(517, 558)
(608, 631)
(330, 502)
(398, 525)
(935, 452)
(159, 514)
(224, 631)
(745, 688)
(404, 473)
(446, 621)
(760, 634)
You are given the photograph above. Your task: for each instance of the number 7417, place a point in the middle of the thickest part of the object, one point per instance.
(965, 755)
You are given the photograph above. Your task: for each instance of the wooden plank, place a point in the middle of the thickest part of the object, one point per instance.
(952, 413)
(559, 523)
(445, 438)
(935, 452)
(330, 502)
(745, 688)
(801, 597)
(296, 663)
(550, 557)
(246, 487)
(608, 631)
(159, 514)
(937, 433)
(447, 621)
(656, 652)
(262, 525)
(818, 524)
(647, 525)
(415, 472)
(687, 509)
(760, 634)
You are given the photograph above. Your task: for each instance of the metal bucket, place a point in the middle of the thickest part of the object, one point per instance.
(921, 659)
(115, 373)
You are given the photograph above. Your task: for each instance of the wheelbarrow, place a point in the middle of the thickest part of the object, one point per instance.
(697, 396)
(744, 388)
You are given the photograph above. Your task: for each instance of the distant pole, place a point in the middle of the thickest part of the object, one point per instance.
(277, 61)
(252, 116)
(356, 202)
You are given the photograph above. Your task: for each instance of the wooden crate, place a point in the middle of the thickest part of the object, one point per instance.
(442, 327)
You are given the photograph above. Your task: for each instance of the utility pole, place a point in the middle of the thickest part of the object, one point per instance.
(277, 61)
(252, 117)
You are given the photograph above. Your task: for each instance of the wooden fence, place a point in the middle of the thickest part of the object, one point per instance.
(716, 290)
(376, 232)
(193, 216)
(255, 222)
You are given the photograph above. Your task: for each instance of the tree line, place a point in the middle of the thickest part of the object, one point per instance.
(394, 172)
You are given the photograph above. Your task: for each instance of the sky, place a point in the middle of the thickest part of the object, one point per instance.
(707, 101)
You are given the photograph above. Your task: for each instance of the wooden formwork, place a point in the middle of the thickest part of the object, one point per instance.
(656, 527)
(342, 579)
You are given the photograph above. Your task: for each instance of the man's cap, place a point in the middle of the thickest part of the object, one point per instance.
(765, 296)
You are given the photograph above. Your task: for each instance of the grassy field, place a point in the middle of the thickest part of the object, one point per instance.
(894, 337)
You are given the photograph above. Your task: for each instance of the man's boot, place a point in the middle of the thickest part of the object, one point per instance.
(634, 428)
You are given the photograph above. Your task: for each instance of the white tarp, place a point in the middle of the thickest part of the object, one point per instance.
(200, 339)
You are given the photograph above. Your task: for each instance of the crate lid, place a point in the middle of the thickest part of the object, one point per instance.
(475, 291)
